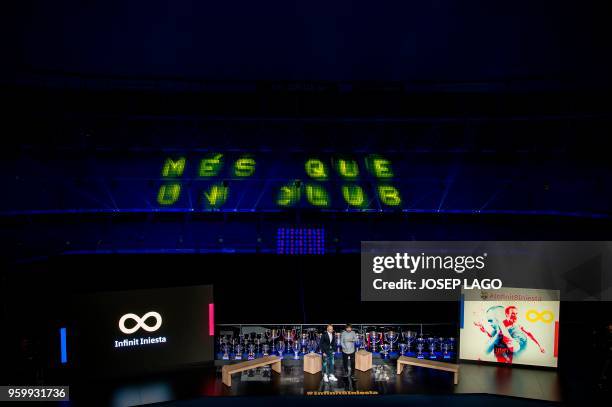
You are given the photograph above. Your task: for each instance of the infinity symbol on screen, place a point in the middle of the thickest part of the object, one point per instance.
(140, 322)
(544, 316)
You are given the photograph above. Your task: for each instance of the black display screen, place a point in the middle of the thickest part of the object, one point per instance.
(145, 330)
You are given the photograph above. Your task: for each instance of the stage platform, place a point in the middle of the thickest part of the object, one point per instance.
(413, 400)
(382, 379)
(205, 382)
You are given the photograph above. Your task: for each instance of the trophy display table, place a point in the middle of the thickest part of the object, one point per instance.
(431, 364)
(363, 360)
(228, 370)
(313, 363)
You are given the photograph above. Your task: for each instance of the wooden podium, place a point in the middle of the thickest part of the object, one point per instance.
(228, 370)
(431, 364)
(363, 360)
(313, 363)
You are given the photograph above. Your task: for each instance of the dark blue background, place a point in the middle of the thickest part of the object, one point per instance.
(442, 40)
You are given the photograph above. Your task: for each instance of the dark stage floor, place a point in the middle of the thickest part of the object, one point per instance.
(413, 400)
(517, 382)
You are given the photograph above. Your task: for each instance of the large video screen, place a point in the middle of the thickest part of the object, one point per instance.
(510, 325)
(145, 330)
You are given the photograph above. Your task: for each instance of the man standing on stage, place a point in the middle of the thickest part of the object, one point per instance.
(328, 345)
(347, 340)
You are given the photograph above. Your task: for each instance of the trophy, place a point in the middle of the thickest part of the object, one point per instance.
(289, 335)
(251, 354)
(445, 350)
(385, 349)
(266, 337)
(304, 343)
(409, 337)
(274, 334)
(451, 344)
(338, 344)
(225, 348)
(391, 337)
(312, 346)
(380, 374)
(221, 341)
(374, 340)
(431, 341)
(296, 350)
(238, 354)
(420, 345)
(233, 343)
(280, 348)
(319, 336)
(402, 347)
(258, 344)
(358, 341)
(265, 348)
(312, 333)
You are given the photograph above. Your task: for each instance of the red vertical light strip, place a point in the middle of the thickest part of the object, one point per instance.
(211, 319)
(556, 351)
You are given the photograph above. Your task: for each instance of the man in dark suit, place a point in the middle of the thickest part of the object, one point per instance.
(328, 345)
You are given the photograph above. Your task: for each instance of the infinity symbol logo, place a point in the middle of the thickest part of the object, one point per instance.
(535, 316)
(140, 322)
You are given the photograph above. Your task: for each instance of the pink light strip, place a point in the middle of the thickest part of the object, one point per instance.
(211, 319)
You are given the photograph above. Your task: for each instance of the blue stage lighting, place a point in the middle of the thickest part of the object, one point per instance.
(300, 241)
